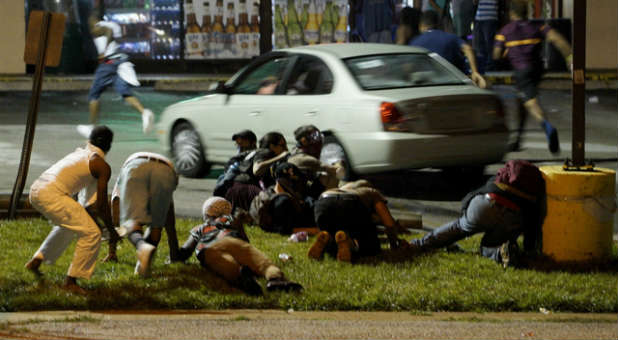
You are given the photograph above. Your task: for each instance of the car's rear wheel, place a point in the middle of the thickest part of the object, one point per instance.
(188, 152)
(333, 152)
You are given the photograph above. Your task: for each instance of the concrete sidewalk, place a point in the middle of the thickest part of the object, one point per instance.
(290, 324)
(201, 82)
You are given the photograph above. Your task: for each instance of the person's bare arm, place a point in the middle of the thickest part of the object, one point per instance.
(561, 44)
(474, 72)
(259, 168)
(172, 237)
(390, 225)
(102, 172)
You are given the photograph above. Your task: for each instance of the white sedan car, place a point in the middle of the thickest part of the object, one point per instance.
(380, 107)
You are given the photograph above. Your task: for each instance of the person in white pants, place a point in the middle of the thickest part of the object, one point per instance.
(52, 195)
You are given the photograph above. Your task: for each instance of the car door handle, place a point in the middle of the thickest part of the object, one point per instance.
(255, 113)
(311, 113)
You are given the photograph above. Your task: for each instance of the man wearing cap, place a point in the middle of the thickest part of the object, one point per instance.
(237, 183)
(52, 195)
(245, 140)
(306, 156)
(510, 204)
(143, 195)
(222, 246)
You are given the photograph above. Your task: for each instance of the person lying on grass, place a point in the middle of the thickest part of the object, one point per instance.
(221, 245)
(347, 217)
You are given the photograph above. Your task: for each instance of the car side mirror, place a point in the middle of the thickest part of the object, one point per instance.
(220, 87)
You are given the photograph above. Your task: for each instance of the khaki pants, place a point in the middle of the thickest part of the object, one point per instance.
(227, 255)
(66, 213)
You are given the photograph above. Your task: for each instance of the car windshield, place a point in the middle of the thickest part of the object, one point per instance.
(379, 72)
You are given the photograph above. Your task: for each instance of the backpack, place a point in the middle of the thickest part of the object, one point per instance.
(261, 208)
(238, 168)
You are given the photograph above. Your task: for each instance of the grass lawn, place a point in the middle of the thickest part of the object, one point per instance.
(389, 282)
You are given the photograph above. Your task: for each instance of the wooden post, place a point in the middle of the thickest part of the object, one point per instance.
(579, 83)
(37, 50)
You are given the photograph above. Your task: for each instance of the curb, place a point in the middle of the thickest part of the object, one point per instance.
(178, 82)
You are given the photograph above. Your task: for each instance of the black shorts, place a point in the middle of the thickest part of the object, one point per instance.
(527, 81)
(347, 213)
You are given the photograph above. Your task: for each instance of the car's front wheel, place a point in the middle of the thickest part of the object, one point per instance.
(188, 152)
(333, 152)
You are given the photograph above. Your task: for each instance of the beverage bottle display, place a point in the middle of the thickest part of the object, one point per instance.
(230, 31)
(280, 30)
(206, 31)
(217, 31)
(295, 32)
(243, 37)
(312, 29)
(341, 30)
(193, 37)
(255, 30)
(327, 27)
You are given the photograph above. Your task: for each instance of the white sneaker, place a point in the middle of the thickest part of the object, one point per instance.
(144, 256)
(85, 130)
(147, 121)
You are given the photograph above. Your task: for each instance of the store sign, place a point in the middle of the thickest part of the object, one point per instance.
(55, 36)
(222, 29)
(309, 22)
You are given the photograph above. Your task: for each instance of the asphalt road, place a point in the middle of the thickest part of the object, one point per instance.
(432, 194)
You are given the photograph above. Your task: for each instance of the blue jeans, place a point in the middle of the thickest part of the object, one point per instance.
(106, 75)
(484, 33)
(498, 223)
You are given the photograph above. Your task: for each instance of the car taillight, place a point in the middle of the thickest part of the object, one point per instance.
(389, 113)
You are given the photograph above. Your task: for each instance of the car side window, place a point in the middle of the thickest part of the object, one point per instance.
(310, 76)
(263, 79)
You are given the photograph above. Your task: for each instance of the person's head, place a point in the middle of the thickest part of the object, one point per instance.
(275, 142)
(309, 139)
(519, 10)
(215, 207)
(290, 178)
(245, 140)
(410, 16)
(268, 85)
(101, 136)
(429, 21)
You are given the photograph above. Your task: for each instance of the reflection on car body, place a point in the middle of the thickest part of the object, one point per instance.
(381, 107)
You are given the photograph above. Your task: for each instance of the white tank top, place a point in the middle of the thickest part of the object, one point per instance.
(72, 173)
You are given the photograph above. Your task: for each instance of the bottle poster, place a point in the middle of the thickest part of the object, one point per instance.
(309, 22)
(221, 29)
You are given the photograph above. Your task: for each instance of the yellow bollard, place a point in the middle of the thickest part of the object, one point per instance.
(580, 208)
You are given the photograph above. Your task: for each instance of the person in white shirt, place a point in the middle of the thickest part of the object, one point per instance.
(114, 69)
(52, 195)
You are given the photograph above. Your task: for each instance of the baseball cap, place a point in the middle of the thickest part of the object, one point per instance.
(246, 134)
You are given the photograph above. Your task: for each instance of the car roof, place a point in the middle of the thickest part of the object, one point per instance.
(349, 50)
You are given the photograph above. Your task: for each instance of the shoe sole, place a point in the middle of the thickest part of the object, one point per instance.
(344, 250)
(144, 256)
(317, 249)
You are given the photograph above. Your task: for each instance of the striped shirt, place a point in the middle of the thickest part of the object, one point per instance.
(487, 10)
(523, 42)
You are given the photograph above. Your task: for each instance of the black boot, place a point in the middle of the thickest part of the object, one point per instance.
(246, 282)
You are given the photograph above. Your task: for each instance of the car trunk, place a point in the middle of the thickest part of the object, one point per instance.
(449, 114)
